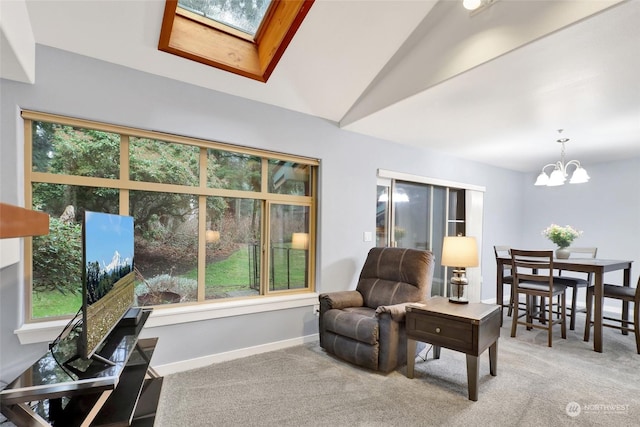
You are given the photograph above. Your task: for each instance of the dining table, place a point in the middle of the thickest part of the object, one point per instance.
(581, 265)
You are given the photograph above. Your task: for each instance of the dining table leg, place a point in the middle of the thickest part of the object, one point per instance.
(597, 314)
(499, 290)
(626, 281)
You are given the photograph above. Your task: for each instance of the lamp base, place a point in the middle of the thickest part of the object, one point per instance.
(458, 283)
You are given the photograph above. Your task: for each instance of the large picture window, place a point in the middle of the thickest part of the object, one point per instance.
(212, 221)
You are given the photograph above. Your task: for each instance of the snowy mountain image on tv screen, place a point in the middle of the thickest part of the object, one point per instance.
(108, 250)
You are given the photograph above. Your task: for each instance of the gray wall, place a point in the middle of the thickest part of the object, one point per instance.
(76, 86)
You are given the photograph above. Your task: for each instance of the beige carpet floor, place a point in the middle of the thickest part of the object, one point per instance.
(566, 385)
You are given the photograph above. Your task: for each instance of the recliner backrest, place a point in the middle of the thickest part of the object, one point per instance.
(395, 275)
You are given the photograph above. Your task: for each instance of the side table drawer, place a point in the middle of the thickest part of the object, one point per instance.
(440, 332)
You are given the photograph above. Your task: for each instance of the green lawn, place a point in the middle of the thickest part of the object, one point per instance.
(289, 275)
(55, 303)
(235, 273)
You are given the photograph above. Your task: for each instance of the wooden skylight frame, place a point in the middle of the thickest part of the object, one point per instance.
(186, 35)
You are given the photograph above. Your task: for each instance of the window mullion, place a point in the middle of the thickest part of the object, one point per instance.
(202, 244)
(124, 174)
(264, 174)
(28, 203)
(202, 227)
(265, 259)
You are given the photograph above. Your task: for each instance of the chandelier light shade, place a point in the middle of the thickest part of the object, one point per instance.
(561, 170)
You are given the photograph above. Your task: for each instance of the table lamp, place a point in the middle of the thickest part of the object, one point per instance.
(459, 252)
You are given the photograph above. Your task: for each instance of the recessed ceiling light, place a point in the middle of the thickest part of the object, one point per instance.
(471, 4)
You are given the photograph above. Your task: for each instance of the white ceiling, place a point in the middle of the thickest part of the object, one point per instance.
(493, 86)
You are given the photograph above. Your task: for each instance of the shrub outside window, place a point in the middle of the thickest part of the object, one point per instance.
(203, 212)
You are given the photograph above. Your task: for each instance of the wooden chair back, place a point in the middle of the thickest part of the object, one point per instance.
(502, 251)
(532, 266)
(587, 252)
(533, 276)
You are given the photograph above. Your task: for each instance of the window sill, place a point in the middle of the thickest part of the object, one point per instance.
(32, 333)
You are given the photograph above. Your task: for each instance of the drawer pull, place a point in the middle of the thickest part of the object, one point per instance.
(437, 330)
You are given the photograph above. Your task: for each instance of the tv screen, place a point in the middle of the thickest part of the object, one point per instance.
(108, 277)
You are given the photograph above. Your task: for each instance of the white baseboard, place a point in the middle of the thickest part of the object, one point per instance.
(185, 365)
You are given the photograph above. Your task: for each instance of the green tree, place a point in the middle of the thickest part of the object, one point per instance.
(235, 171)
(42, 134)
(75, 151)
(158, 161)
(57, 258)
(86, 152)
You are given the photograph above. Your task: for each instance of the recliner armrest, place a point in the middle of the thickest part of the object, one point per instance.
(341, 299)
(397, 311)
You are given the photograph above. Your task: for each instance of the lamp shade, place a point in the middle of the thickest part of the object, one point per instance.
(579, 176)
(556, 178)
(543, 179)
(459, 251)
(300, 241)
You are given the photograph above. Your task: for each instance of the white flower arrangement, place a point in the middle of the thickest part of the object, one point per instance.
(561, 236)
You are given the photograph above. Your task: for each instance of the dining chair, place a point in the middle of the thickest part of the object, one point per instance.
(533, 276)
(507, 278)
(626, 294)
(576, 282)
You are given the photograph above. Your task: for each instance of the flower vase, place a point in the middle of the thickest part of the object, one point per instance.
(562, 253)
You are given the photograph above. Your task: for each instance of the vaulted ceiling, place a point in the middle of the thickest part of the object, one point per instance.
(493, 86)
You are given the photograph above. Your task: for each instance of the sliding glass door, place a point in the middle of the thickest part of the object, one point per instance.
(419, 215)
(413, 215)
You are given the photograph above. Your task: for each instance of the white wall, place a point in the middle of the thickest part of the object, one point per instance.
(76, 86)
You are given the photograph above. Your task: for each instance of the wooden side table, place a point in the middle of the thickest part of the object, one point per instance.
(467, 328)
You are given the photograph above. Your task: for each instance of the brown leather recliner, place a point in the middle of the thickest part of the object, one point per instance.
(366, 326)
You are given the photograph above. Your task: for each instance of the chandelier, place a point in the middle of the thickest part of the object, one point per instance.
(560, 170)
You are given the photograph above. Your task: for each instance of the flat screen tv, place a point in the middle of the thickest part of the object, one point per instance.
(107, 277)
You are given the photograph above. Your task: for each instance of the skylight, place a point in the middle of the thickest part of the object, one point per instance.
(248, 42)
(242, 15)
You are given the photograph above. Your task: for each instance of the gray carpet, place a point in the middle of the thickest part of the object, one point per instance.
(304, 386)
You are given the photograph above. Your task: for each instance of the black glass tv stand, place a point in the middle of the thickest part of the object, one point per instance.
(126, 393)
(95, 358)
